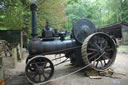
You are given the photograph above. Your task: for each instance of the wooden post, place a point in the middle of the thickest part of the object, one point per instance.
(14, 56)
(19, 57)
(21, 45)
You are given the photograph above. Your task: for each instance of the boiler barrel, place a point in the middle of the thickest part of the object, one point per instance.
(51, 47)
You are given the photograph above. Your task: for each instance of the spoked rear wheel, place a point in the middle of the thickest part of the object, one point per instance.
(99, 50)
(39, 69)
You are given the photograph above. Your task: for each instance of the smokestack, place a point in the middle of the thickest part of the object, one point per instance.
(33, 9)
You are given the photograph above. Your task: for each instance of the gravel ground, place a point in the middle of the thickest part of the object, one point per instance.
(16, 76)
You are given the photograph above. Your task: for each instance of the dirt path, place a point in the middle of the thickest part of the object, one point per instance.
(120, 67)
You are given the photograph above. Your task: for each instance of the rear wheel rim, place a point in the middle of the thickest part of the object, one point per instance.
(94, 46)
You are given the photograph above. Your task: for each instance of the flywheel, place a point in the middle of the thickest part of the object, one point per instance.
(82, 28)
(99, 50)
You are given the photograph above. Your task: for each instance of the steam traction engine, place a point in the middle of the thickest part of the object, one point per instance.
(86, 46)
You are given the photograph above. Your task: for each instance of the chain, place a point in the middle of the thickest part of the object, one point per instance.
(71, 72)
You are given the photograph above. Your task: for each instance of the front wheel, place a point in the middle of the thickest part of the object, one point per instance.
(39, 69)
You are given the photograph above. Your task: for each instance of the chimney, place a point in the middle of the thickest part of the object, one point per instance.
(33, 9)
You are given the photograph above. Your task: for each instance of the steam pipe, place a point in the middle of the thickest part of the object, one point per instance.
(33, 9)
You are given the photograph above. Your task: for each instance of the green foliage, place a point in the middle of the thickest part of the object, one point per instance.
(78, 10)
(61, 14)
(53, 11)
(100, 12)
(12, 14)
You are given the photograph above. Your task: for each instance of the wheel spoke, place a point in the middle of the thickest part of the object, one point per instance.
(107, 57)
(32, 73)
(101, 63)
(97, 63)
(34, 63)
(33, 78)
(47, 72)
(100, 42)
(104, 62)
(92, 49)
(105, 44)
(44, 76)
(110, 49)
(103, 40)
(97, 45)
(90, 58)
(97, 39)
(44, 64)
(39, 77)
(91, 53)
